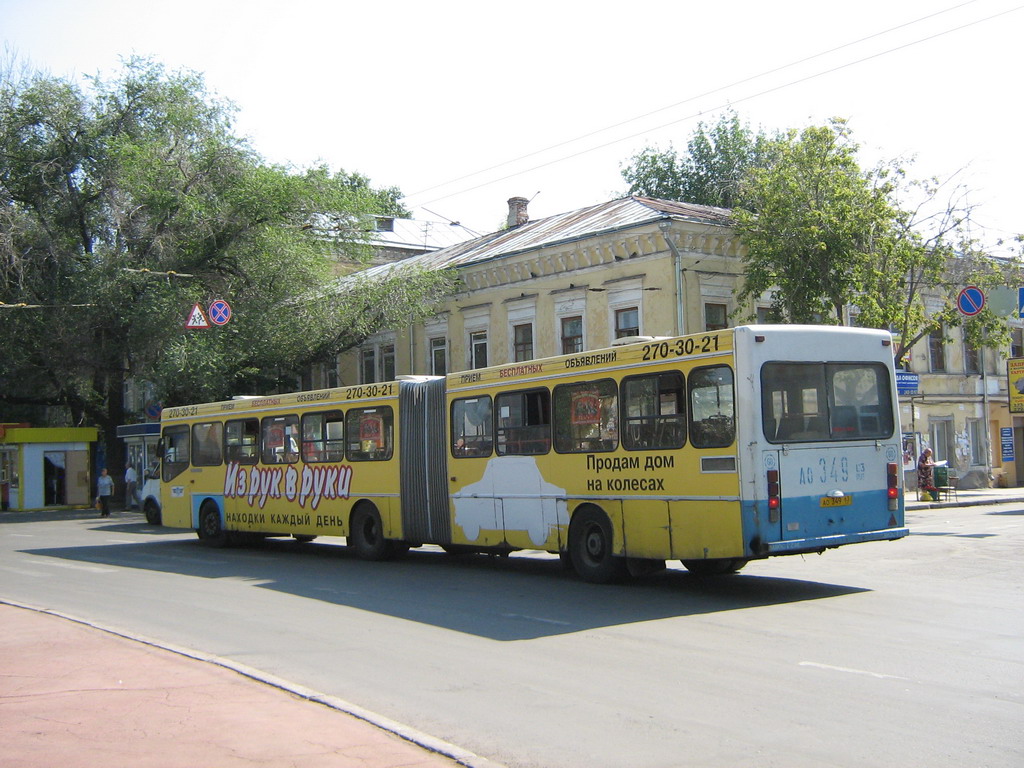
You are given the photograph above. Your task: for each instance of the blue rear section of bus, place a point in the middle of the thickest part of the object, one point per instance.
(804, 525)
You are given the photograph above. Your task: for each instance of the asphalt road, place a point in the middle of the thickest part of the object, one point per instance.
(906, 653)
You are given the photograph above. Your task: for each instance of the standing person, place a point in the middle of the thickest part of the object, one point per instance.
(131, 483)
(925, 474)
(104, 490)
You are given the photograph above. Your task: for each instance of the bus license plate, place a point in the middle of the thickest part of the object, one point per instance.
(836, 501)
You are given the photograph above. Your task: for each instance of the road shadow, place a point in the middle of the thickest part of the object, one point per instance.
(521, 597)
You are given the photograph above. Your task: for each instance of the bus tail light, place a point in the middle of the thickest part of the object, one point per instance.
(774, 496)
(893, 485)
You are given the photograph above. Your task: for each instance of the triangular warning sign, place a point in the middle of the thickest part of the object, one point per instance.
(196, 318)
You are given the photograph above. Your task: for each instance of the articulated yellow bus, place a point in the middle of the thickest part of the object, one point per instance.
(713, 449)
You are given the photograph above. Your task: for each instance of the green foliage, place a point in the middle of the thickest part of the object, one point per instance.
(712, 171)
(817, 217)
(827, 234)
(123, 204)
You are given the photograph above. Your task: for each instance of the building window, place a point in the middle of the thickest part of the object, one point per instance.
(764, 315)
(377, 363)
(478, 349)
(521, 318)
(522, 336)
(937, 351)
(572, 335)
(1017, 342)
(438, 356)
(715, 317)
(387, 362)
(627, 322)
(329, 375)
(976, 435)
(368, 366)
(972, 359)
(941, 434)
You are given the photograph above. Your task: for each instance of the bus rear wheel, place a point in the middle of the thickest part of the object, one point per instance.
(211, 531)
(714, 567)
(366, 534)
(590, 548)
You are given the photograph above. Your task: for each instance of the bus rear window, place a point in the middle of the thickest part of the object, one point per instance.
(813, 402)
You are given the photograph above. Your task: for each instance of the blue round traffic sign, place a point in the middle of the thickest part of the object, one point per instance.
(970, 301)
(220, 312)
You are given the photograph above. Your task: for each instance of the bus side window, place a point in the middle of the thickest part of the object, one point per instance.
(712, 407)
(323, 437)
(280, 440)
(207, 444)
(176, 452)
(472, 428)
(654, 411)
(524, 422)
(241, 437)
(370, 433)
(586, 417)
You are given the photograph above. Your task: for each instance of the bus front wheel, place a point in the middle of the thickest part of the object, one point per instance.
(211, 530)
(590, 548)
(366, 535)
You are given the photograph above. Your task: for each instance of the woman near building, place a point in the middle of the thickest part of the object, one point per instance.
(925, 473)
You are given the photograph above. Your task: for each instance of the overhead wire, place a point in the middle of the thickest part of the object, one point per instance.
(714, 109)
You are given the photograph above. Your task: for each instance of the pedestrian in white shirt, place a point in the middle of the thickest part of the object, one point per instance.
(131, 487)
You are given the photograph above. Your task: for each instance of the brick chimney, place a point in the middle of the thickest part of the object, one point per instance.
(517, 215)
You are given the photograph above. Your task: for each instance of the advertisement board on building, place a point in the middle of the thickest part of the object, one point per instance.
(1015, 383)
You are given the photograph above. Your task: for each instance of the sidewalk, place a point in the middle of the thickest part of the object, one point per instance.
(77, 696)
(965, 498)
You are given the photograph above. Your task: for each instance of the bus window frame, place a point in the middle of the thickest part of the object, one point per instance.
(632, 431)
(603, 431)
(172, 468)
(289, 433)
(543, 441)
(331, 449)
(207, 452)
(242, 452)
(799, 427)
(359, 451)
(729, 421)
(463, 445)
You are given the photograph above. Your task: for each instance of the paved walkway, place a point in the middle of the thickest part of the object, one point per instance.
(72, 694)
(76, 696)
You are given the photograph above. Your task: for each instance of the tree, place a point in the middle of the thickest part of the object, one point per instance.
(124, 204)
(827, 235)
(711, 172)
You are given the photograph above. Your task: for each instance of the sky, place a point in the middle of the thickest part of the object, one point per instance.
(463, 105)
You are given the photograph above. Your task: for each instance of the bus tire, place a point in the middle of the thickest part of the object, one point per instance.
(715, 566)
(152, 512)
(211, 531)
(590, 548)
(366, 534)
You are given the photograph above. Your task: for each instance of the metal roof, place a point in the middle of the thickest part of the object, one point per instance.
(624, 213)
(412, 234)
